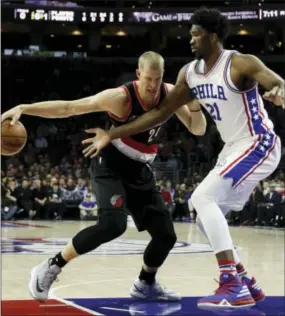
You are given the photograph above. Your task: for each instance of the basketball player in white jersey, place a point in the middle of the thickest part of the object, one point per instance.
(225, 83)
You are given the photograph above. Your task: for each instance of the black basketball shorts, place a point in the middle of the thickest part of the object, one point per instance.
(128, 187)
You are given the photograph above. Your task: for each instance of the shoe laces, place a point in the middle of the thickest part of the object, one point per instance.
(224, 287)
(48, 278)
(160, 288)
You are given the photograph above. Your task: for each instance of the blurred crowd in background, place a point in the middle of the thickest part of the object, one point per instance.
(52, 60)
(49, 179)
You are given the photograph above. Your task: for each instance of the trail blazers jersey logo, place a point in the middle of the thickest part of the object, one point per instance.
(116, 200)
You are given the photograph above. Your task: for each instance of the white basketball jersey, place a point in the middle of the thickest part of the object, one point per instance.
(237, 114)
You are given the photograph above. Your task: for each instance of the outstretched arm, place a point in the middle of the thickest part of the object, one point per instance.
(178, 96)
(251, 67)
(112, 100)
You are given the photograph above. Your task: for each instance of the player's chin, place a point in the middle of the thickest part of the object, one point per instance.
(198, 55)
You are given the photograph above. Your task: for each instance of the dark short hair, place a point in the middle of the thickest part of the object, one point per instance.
(213, 21)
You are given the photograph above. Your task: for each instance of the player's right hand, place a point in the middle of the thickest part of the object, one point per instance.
(13, 114)
(276, 96)
(97, 143)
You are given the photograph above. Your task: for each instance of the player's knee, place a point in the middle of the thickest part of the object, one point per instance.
(171, 239)
(199, 198)
(114, 222)
(166, 237)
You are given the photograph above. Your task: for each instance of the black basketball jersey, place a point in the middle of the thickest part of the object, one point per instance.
(142, 146)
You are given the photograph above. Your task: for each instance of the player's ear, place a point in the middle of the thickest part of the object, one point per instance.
(214, 37)
(138, 73)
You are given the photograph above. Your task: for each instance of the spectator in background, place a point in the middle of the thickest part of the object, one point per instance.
(181, 210)
(55, 207)
(88, 208)
(62, 183)
(71, 196)
(249, 213)
(270, 207)
(9, 206)
(81, 186)
(53, 180)
(169, 202)
(89, 190)
(170, 189)
(40, 197)
(24, 197)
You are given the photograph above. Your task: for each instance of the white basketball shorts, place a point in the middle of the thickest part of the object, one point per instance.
(245, 162)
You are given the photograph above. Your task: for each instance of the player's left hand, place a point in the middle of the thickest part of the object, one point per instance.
(97, 143)
(276, 96)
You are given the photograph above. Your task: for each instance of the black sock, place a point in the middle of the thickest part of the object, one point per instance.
(148, 277)
(58, 260)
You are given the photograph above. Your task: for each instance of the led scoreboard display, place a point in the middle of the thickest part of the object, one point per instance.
(129, 17)
(68, 16)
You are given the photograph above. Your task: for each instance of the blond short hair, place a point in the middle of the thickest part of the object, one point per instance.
(152, 60)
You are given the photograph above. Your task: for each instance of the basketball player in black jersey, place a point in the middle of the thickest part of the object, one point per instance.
(122, 178)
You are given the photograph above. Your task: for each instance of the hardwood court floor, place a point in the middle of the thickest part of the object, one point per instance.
(98, 283)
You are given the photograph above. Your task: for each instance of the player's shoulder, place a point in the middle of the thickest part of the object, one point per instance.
(188, 67)
(187, 71)
(241, 59)
(123, 92)
(191, 63)
(128, 84)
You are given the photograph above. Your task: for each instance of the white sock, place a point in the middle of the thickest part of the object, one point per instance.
(242, 271)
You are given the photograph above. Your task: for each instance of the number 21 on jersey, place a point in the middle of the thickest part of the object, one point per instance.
(214, 111)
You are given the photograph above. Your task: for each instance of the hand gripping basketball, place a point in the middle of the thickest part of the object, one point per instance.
(13, 114)
(97, 143)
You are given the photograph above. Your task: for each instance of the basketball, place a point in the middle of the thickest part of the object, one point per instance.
(13, 138)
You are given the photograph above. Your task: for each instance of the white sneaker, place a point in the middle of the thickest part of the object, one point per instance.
(42, 277)
(142, 290)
